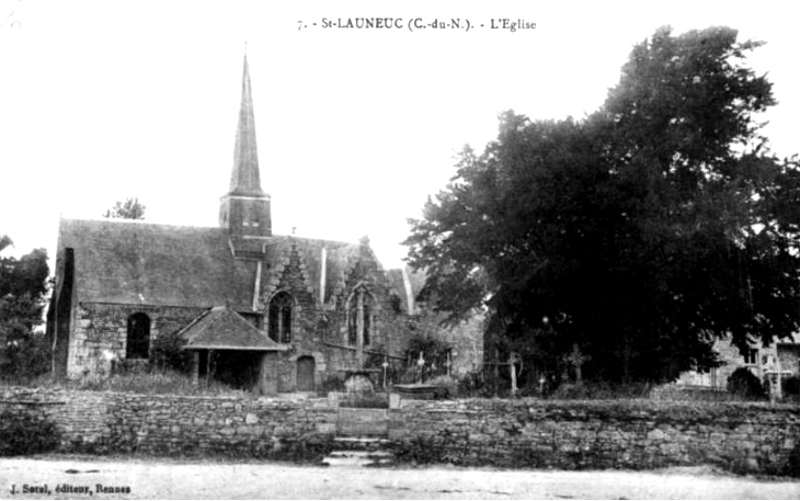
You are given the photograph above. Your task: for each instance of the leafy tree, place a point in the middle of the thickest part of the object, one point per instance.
(131, 208)
(5, 241)
(633, 237)
(23, 285)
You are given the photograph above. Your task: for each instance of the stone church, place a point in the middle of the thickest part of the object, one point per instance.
(275, 313)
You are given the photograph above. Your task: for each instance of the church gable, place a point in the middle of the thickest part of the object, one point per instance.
(364, 309)
(288, 301)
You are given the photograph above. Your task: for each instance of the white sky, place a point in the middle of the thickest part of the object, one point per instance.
(104, 100)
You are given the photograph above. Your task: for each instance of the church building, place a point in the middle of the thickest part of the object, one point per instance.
(273, 313)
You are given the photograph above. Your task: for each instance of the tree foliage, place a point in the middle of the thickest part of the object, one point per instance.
(131, 208)
(639, 234)
(23, 287)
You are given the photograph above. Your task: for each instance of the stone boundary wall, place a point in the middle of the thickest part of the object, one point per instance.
(107, 423)
(631, 434)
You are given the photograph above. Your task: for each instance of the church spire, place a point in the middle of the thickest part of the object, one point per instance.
(245, 177)
(245, 211)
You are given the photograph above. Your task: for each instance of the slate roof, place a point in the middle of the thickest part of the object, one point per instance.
(135, 262)
(221, 328)
(131, 262)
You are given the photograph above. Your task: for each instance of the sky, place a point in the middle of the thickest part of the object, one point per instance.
(100, 101)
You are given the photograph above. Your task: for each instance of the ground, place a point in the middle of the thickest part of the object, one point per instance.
(203, 479)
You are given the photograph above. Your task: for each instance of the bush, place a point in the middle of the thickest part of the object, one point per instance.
(791, 386)
(447, 387)
(374, 401)
(473, 384)
(793, 464)
(331, 384)
(25, 360)
(745, 384)
(168, 353)
(22, 434)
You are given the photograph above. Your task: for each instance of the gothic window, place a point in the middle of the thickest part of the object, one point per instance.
(359, 317)
(280, 317)
(750, 356)
(138, 339)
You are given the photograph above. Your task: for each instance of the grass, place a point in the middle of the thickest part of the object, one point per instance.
(154, 382)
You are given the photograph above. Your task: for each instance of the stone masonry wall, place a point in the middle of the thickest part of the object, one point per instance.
(101, 332)
(103, 422)
(746, 437)
(750, 437)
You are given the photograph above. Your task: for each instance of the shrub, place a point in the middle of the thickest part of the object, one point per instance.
(167, 353)
(793, 464)
(745, 384)
(447, 387)
(23, 433)
(473, 384)
(374, 401)
(25, 360)
(791, 386)
(333, 383)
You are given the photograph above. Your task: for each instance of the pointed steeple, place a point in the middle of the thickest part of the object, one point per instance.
(245, 177)
(245, 210)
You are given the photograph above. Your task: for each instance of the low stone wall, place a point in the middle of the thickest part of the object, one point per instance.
(744, 437)
(100, 422)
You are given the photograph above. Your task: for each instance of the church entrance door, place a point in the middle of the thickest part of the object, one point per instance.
(305, 373)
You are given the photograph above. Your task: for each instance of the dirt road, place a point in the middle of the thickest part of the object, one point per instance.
(62, 477)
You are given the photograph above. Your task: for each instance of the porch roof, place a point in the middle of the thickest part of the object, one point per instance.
(221, 328)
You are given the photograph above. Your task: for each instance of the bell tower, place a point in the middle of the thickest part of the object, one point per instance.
(245, 210)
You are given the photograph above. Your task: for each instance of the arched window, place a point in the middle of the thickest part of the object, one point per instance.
(280, 317)
(138, 339)
(359, 317)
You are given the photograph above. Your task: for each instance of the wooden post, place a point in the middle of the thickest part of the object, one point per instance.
(208, 367)
(195, 367)
(385, 366)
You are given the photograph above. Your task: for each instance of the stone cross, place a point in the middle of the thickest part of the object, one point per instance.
(513, 360)
(577, 359)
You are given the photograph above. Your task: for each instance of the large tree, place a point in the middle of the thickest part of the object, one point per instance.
(632, 238)
(23, 287)
(131, 208)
